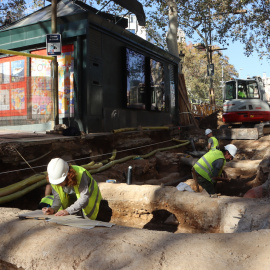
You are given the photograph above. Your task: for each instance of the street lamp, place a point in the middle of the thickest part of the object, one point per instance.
(181, 56)
(239, 72)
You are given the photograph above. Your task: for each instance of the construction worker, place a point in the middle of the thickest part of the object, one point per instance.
(74, 189)
(209, 168)
(241, 93)
(212, 143)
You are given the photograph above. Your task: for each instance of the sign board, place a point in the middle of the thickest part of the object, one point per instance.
(53, 44)
(210, 70)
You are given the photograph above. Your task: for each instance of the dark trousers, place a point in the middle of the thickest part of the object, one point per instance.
(207, 185)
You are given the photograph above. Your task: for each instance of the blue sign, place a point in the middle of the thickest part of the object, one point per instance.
(53, 44)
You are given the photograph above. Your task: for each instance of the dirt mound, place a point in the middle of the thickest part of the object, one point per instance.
(212, 121)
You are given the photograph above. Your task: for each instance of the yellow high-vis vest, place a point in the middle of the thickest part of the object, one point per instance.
(47, 199)
(215, 141)
(204, 165)
(91, 210)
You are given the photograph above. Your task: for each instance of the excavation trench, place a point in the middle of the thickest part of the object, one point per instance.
(153, 202)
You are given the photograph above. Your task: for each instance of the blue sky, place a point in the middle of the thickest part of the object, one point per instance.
(246, 66)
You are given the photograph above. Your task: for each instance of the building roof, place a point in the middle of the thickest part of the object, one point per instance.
(64, 8)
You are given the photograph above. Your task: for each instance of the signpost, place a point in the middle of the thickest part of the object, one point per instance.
(210, 70)
(53, 44)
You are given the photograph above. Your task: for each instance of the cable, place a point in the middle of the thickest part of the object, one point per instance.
(87, 157)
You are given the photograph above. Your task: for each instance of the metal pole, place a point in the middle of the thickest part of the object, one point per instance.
(211, 90)
(55, 64)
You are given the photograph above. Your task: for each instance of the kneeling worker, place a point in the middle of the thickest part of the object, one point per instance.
(72, 180)
(47, 200)
(212, 143)
(209, 167)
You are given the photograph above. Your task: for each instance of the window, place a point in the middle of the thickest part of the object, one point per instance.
(252, 90)
(146, 83)
(230, 90)
(157, 86)
(172, 87)
(244, 89)
(136, 96)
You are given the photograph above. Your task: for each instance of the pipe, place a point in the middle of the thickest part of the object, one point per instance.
(26, 54)
(21, 193)
(38, 180)
(138, 128)
(22, 184)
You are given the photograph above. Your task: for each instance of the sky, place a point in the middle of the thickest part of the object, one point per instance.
(245, 66)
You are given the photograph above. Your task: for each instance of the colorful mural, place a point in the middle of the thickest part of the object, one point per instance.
(41, 85)
(42, 96)
(4, 72)
(17, 71)
(13, 91)
(15, 98)
(4, 100)
(66, 84)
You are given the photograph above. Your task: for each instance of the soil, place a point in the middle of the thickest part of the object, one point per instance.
(156, 225)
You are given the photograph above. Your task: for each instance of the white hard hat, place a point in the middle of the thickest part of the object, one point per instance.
(57, 171)
(208, 131)
(232, 149)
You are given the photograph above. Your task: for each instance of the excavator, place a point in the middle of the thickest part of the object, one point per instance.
(246, 111)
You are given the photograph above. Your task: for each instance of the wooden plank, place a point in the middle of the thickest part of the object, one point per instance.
(183, 94)
(237, 133)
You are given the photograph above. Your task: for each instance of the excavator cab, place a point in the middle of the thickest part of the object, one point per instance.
(241, 89)
(245, 102)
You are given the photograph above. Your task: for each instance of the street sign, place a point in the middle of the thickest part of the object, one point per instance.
(210, 70)
(53, 44)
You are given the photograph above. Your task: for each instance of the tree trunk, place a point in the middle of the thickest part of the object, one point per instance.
(171, 38)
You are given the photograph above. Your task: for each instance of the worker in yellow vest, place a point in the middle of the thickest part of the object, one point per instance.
(47, 200)
(74, 189)
(212, 143)
(209, 168)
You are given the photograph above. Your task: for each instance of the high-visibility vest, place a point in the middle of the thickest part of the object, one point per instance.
(91, 210)
(215, 143)
(241, 94)
(204, 165)
(47, 199)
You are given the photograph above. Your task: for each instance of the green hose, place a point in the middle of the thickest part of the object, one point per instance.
(23, 187)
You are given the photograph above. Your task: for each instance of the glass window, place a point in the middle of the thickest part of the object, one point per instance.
(157, 86)
(135, 80)
(230, 90)
(252, 90)
(172, 88)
